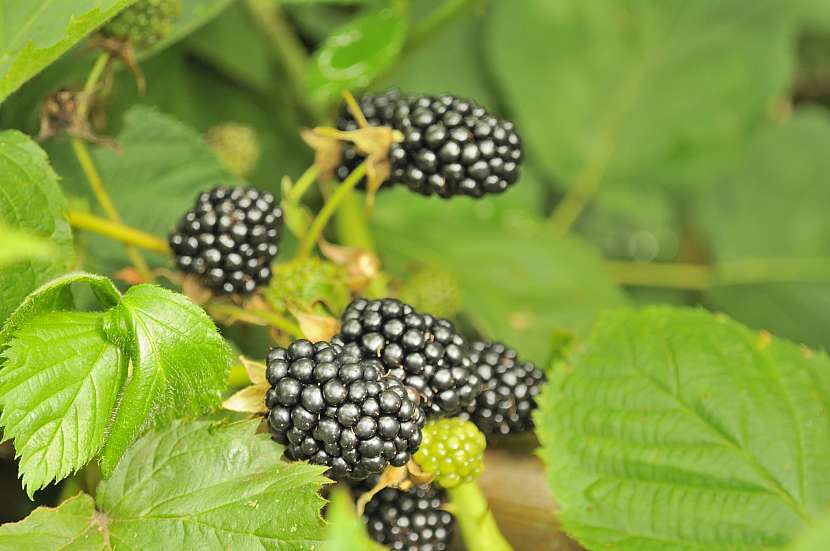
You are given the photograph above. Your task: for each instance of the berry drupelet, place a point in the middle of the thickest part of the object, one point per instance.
(334, 409)
(410, 520)
(145, 23)
(229, 239)
(509, 389)
(452, 451)
(424, 352)
(452, 146)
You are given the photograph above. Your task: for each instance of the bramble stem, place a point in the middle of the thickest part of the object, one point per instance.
(91, 82)
(303, 183)
(117, 231)
(478, 526)
(319, 223)
(670, 276)
(259, 317)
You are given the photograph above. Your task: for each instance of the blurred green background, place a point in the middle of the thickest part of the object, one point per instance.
(678, 151)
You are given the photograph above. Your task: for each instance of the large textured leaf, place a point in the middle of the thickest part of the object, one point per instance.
(767, 224)
(815, 538)
(33, 33)
(56, 295)
(31, 201)
(202, 486)
(357, 52)
(58, 388)
(677, 429)
(179, 359)
(73, 526)
(640, 92)
(520, 284)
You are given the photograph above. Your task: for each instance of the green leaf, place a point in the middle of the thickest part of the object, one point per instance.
(657, 94)
(356, 53)
(180, 364)
(36, 32)
(200, 485)
(20, 245)
(677, 429)
(73, 525)
(56, 295)
(346, 530)
(815, 538)
(520, 283)
(58, 387)
(775, 275)
(30, 201)
(195, 14)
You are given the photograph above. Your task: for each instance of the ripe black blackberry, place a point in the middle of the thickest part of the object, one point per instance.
(229, 239)
(332, 408)
(410, 520)
(509, 389)
(452, 146)
(424, 352)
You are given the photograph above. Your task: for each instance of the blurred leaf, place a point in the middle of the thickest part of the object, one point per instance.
(180, 364)
(646, 93)
(195, 14)
(73, 525)
(58, 387)
(36, 32)
(814, 538)
(204, 485)
(767, 222)
(21, 245)
(357, 52)
(345, 530)
(676, 429)
(30, 201)
(520, 283)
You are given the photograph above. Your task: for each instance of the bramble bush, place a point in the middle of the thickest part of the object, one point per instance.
(448, 274)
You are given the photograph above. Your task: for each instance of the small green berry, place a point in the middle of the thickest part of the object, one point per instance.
(145, 23)
(435, 291)
(237, 147)
(308, 283)
(452, 450)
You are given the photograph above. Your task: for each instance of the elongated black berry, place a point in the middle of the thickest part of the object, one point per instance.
(229, 238)
(332, 408)
(509, 389)
(425, 352)
(452, 146)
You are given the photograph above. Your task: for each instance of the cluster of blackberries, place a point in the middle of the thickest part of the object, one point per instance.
(409, 520)
(424, 352)
(451, 146)
(229, 238)
(336, 409)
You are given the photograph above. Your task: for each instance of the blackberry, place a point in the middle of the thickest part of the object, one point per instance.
(332, 408)
(236, 146)
(145, 23)
(452, 451)
(410, 520)
(452, 146)
(422, 351)
(229, 239)
(509, 389)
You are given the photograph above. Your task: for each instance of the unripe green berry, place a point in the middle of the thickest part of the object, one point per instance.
(307, 283)
(452, 450)
(237, 147)
(145, 23)
(435, 291)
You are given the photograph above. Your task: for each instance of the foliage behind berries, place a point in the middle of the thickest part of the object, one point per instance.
(145, 23)
(334, 409)
(425, 352)
(435, 291)
(229, 239)
(452, 451)
(309, 283)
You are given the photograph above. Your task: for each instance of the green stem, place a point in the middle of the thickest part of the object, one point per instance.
(91, 82)
(353, 224)
(303, 183)
(261, 317)
(343, 190)
(478, 526)
(116, 231)
(670, 276)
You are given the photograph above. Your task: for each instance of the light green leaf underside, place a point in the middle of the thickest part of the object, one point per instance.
(71, 526)
(222, 486)
(18, 245)
(677, 429)
(815, 537)
(34, 33)
(30, 201)
(640, 92)
(58, 387)
(179, 359)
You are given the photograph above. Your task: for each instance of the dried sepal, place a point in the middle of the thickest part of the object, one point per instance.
(328, 151)
(316, 327)
(124, 51)
(250, 399)
(254, 370)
